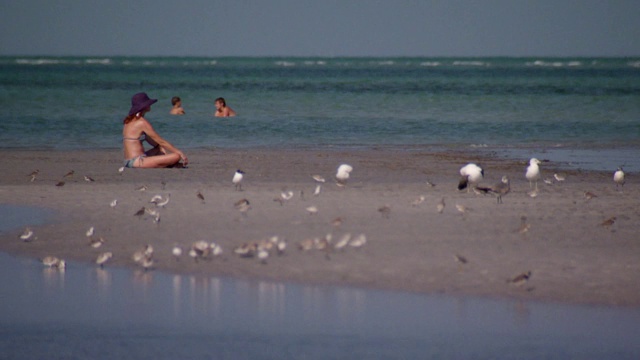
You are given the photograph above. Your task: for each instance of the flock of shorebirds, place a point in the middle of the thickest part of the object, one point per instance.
(471, 178)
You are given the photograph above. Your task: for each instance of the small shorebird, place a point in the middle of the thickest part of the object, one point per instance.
(618, 177)
(159, 201)
(148, 250)
(343, 173)
(501, 188)
(113, 203)
(524, 225)
(559, 177)
(286, 195)
(60, 183)
(90, 232)
(147, 264)
(33, 175)
(312, 210)
(306, 244)
(358, 241)
(237, 179)
(419, 200)
(96, 243)
(471, 174)
(176, 251)
(140, 212)
(281, 246)
(69, 174)
(337, 222)
(50, 261)
(440, 206)
(26, 235)
(200, 196)
(121, 170)
(533, 172)
(316, 192)
(318, 178)
(520, 279)
(589, 195)
(142, 188)
(242, 205)
(344, 241)
(103, 258)
(609, 222)
(462, 209)
(385, 211)
(88, 178)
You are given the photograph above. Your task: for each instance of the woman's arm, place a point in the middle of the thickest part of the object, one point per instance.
(155, 139)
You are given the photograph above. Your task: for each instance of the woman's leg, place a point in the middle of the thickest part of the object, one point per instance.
(159, 161)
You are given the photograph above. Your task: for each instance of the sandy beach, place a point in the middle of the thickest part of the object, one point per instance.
(572, 256)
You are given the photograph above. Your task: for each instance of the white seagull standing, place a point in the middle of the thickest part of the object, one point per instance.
(237, 179)
(343, 174)
(533, 172)
(618, 177)
(470, 174)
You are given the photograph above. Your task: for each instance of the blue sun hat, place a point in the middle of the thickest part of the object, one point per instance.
(139, 102)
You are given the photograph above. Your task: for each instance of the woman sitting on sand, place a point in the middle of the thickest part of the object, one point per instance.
(137, 129)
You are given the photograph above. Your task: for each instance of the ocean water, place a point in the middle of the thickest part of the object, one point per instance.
(516, 106)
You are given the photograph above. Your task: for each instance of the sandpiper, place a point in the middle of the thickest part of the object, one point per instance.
(520, 279)
(69, 174)
(589, 195)
(242, 205)
(337, 222)
(358, 241)
(343, 173)
(533, 172)
(96, 243)
(50, 261)
(559, 177)
(440, 206)
(471, 174)
(344, 241)
(200, 196)
(318, 178)
(312, 210)
(140, 212)
(90, 232)
(60, 183)
(317, 191)
(142, 188)
(88, 178)
(26, 235)
(121, 170)
(113, 203)
(460, 259)
(176, 251)
(618, 178)
(609, 222)
(281, 246)
(103, 258)
(385, 211)
(286, 195)
(501, 188)
(306, 244)
(147, 263)
(419, 200)
(33, 175)
(237, 179)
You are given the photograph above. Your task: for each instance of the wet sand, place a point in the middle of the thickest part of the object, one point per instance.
(572, 257)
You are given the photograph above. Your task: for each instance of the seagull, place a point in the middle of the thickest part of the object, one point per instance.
(470, 174)
(533, 172)
(88, 178)
(618, 177)
(519, 280)
(26, 235)
(113, 203)
(237, 179)
(318, 178)
(501, 188)
(343, 173)
(103, 258)
(440, 206)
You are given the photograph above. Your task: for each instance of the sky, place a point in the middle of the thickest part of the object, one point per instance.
(212, 28)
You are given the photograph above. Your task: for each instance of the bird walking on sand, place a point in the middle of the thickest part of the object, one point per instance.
(501, 188)
(589, 195)
(26, 235)
(343, 173)
(520, 279)
(51, 261)
(33, 175)
(358, 241)
(559, 177)
(312, 210)
(69, 174)
(237, 179)
(103, 258)
(113, 203)
(96, 243)
(316, 192)
(90, 232)
(609, 222)
(419, 200)
(318, 178)
(200, 196)
(88, 178)
(385, 211)
(471, 174)
(440, 206)
(618, 178)
(533, 172)
(60, 183)
(243, 206)
(176, 251)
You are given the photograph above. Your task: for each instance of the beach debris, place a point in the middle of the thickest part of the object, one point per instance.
(470, 175)
(202, 249)
(243, 206)
(60, 183)
(103, 258)
(88, 178)
(121, 170)
(440, 206)
(609, 222)
(69, 174)
(113, 203)
(559, 177)
(318, 178)
(343, 173)
(27, 235)
(237, 179)
(96, 243)
(385, 211)
(90, 232)
(589, 195)
(176, 251)
(533, 172)
(520, 279)
(317, 191)
(312, 210)
(419, 200)
(618, 177)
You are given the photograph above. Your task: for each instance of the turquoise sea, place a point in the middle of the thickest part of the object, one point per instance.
(584, 111)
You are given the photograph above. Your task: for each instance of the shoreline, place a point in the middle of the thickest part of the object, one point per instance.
(572, 258)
